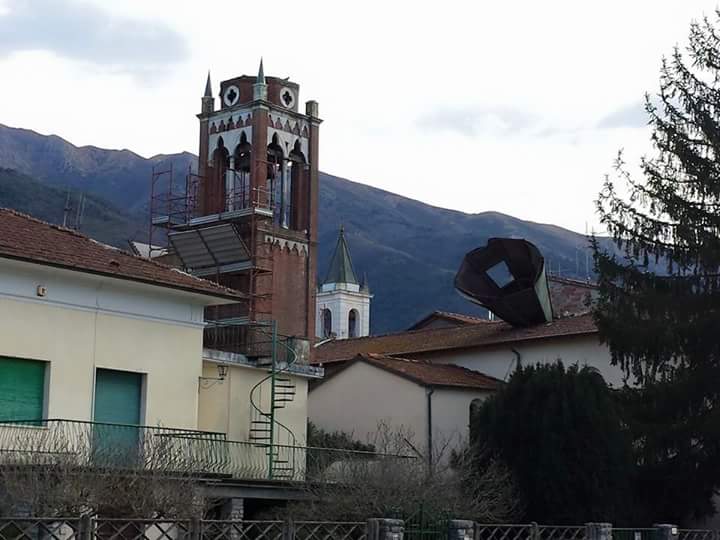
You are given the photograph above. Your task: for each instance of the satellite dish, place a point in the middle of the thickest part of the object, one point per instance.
(507, 276)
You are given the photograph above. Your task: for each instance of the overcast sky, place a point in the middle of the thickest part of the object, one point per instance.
(515, 106)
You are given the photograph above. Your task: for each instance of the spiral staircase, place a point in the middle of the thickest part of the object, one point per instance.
(266, 431)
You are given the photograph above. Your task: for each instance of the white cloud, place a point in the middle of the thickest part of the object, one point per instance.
(471, 105)
(81, 31)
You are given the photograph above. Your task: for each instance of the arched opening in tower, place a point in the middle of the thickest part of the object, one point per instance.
(238, 181)
(353, 323)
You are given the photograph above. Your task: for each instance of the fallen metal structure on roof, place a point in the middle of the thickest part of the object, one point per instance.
(507, 276)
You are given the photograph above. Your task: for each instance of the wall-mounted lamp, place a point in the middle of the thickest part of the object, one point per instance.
(207, 382)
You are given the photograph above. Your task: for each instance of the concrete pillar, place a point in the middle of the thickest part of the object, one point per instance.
(666, 531)
(598, 531)
(461, 529)
(234, 509)
(385, 529)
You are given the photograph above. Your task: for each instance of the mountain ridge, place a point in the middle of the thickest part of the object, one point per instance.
(410, 250)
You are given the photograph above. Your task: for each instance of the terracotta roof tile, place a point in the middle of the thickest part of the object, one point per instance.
(571, 297)
(28, 239)
(458, 318)
(429, 374)
(434, 339)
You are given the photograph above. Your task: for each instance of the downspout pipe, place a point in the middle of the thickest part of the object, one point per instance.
(429, 391)
(518, 358)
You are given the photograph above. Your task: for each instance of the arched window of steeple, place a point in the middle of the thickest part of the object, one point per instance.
(239, 195)
(297, 189)
(327, 323)
(221, 163)
(353, 323)
(278, 182)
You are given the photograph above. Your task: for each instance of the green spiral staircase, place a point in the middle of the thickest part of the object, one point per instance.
(266, 431)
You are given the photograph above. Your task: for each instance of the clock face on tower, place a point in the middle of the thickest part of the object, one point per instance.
(287, 97)
(231, 96)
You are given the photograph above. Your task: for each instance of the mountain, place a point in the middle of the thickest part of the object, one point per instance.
(409, 250)
(100, 219)
(120, 176)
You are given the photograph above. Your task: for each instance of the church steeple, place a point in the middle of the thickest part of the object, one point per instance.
(208, 86)
(208, 102)
(343, 303)
(260, 86)
(341, 267)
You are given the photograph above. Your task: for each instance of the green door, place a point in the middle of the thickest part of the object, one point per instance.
(118, 398)
(22, 389)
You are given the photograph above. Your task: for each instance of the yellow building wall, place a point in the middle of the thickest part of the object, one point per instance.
(224, 406)
(75, 342)
(362, 396)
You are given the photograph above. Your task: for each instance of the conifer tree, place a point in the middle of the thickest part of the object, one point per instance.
(659, 304)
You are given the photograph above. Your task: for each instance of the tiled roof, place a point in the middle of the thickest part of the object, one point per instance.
(428, 374)
(570, 297)
(28, 239)
(458, 318)
(460, 337)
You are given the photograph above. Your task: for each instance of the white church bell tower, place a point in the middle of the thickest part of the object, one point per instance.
(343, 303)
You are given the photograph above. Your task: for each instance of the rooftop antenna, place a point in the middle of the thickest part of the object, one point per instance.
(66, 209)
(587, 255)
(80, 212)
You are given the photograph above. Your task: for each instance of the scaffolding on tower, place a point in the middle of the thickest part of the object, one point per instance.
(232, 245)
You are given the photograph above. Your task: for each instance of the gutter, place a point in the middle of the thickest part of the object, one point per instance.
(232, 298)
(429, 393)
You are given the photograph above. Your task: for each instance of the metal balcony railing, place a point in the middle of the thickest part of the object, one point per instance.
(107, 447)
(253, 340)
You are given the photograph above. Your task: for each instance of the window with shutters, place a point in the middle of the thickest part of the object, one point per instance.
(22, 389)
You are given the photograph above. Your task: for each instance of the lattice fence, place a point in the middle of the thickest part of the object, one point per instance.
(86, 528)
(560, 532)
(242, 530)
(504, 532)
(139, 529)
(39, 528)
(322, 530)
(698, 534)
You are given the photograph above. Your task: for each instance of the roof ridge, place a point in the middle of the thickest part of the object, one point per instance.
(415, 331)
(465, 315)
(108, 247)
(426, 362)
(411, 342)
(387, 362)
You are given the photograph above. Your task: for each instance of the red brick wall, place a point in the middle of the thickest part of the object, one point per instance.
(289, 299)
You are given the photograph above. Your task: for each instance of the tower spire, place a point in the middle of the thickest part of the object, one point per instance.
(208, 86)
(260, 88)
(364, 284)
(208, 102)
(341, 267)
(261, 73)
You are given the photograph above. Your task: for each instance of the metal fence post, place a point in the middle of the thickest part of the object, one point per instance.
(666, 531)
(598, 531)
(385, 529)
(195, 532)
(461, 529)
(289, 529)
(534, 531)
(86, 527)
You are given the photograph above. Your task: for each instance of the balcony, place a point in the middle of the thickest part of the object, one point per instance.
(205, 455)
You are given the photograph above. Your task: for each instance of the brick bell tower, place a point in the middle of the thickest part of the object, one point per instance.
(254, 202)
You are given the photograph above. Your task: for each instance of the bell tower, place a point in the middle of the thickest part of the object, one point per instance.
(343, 302)
(249, 215)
